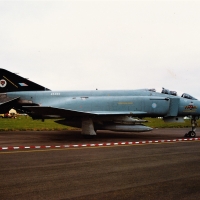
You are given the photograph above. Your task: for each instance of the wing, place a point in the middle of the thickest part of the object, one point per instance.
(40, 110)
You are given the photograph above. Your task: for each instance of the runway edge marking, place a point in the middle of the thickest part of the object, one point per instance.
(96, 145)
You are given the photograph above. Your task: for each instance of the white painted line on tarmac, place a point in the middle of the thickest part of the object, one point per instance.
(97, 145)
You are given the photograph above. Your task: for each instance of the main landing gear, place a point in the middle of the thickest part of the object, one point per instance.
(192, 133)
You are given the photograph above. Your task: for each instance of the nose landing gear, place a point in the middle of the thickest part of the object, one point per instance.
(192, 133)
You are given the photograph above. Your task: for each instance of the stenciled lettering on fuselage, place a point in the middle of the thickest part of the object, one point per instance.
(55, 93)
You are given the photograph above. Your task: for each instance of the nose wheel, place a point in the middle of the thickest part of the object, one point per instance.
(192, 133)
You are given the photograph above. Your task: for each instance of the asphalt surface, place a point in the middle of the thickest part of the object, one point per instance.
(150, 171)
(15, 138)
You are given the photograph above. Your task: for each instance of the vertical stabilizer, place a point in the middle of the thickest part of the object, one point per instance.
(11, 82)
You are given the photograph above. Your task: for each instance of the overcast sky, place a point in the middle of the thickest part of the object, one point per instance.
(75, 45)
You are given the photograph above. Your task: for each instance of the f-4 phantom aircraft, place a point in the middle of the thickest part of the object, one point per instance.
(115, 110)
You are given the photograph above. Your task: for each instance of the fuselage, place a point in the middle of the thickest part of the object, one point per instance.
(153, 104)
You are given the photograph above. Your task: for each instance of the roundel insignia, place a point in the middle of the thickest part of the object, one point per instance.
(154, 105)
(3, 83)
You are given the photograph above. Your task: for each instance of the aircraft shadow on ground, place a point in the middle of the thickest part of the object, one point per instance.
(103, 136)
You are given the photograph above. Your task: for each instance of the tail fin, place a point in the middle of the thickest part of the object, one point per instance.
(11, 82)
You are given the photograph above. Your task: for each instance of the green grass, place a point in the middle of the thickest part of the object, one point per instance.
(159, 123)
(23, 123)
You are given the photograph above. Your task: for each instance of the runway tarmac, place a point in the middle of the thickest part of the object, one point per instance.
(151, 171)
(16, 138)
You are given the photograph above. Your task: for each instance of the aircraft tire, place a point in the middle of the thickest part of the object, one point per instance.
(191, 134)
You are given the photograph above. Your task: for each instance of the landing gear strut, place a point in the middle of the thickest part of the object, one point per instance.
(192, 133)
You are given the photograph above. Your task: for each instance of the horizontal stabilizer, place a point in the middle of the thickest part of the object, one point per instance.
(7, 100)
(7, 103)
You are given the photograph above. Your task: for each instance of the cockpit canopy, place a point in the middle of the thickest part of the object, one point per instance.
(187, 96)
(174, 93)
(166, 91)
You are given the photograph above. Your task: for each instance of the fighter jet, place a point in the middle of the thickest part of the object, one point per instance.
(115, 110)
